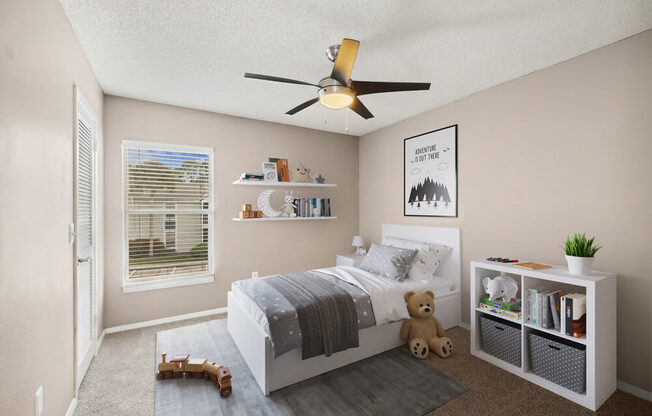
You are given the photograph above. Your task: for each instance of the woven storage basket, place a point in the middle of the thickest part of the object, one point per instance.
(561, 361)
(501, 339)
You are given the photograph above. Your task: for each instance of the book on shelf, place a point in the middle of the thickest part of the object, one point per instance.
(532, 305)
(562, 314)
(553, 300)
(513, 305)
(282, 169)
(543, 309)
(574, 307)
(515, 316)
(314, 202)
(532, 266)
(568, 315)
(546, 317)
(312, 207)
(549, 309)
(245, 176)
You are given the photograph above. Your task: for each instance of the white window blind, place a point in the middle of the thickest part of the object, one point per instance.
(168, 205)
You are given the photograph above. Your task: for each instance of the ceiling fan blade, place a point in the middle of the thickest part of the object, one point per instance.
(374, 87)
(359, 108)
(345, 60)
(302, 106)
(277, 79)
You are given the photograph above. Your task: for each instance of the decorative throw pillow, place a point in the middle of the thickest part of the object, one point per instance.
(391, 262)
(428, 258)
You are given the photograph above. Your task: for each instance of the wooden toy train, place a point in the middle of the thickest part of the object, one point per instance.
(199, 367)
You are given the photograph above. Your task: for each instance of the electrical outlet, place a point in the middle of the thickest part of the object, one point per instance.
(38, 401)
(254, 275)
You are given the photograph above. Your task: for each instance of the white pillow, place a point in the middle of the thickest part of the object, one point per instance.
(425, 263)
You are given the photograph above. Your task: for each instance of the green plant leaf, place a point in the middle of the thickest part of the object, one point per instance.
(581, 246)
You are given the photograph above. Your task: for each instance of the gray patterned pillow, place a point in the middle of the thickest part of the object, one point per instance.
(391, 262)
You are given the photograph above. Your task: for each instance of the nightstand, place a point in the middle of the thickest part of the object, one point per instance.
(352, 259)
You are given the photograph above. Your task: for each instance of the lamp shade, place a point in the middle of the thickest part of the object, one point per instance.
(357, 241)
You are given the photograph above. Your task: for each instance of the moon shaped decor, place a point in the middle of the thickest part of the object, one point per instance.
(263, 203)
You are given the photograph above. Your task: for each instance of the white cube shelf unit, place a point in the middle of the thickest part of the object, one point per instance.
(600, 339)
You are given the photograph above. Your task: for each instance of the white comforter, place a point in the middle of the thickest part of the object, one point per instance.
(386, 295)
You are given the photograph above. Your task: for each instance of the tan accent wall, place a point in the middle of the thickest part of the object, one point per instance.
(40, 60)
(240, 145)
(565, 149)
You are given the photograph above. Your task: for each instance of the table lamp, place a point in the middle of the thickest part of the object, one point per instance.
(358, 243)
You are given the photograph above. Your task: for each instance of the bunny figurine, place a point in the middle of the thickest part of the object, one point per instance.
(288, 206)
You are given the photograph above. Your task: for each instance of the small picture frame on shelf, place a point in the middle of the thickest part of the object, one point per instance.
(269, 172)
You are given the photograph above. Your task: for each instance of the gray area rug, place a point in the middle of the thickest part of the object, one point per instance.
(391, 383)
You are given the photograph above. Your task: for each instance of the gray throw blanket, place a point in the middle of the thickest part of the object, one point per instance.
(326, 313)
(314, 310)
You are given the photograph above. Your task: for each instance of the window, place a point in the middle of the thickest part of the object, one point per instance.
(168, 205)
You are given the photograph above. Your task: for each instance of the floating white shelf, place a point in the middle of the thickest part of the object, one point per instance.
(283, 219)
(285, 184)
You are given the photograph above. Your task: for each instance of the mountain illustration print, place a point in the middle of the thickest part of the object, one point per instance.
(429, 192)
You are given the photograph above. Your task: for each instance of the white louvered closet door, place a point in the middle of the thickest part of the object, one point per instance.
(85, 169)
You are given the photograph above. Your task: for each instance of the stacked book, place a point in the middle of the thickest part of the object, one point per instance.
(543, 308)
(509, 310)
(547, 308)
(312, 207)
(244, 176)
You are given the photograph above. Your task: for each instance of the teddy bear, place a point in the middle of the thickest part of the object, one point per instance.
(423, 331)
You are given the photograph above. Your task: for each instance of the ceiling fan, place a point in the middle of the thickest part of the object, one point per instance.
(338, 90)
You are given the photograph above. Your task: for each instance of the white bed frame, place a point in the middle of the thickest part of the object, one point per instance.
(275, 373)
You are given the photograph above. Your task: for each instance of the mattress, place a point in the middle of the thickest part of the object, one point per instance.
(439, 286)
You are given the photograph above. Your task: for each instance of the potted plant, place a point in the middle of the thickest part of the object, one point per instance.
(580, 252)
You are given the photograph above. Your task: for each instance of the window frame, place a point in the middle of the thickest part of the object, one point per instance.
(164, 282)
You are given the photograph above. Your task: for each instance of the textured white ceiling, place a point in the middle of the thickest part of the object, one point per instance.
(194, 53)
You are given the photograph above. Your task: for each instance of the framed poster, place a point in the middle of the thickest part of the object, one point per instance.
(430, 174)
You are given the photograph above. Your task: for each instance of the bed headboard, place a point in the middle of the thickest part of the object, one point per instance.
(451, 268)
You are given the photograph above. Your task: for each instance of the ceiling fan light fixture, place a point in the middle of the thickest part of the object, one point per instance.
(336, 96)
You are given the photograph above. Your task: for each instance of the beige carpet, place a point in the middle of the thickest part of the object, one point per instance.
(120, 381)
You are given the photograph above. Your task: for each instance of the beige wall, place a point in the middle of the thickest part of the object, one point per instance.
(561, 150)
(240, 248)
(40, 61)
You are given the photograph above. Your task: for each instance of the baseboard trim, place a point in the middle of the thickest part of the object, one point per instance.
(99, 341)
(465, 325)
(169, 319)
(72, 407)
(636, 391)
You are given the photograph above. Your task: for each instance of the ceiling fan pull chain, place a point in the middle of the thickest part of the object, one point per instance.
(323, 113)
(346, 128)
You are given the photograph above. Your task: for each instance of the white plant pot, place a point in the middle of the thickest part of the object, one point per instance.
(579, 265)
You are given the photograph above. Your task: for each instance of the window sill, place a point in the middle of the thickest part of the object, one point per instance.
(166, 283)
